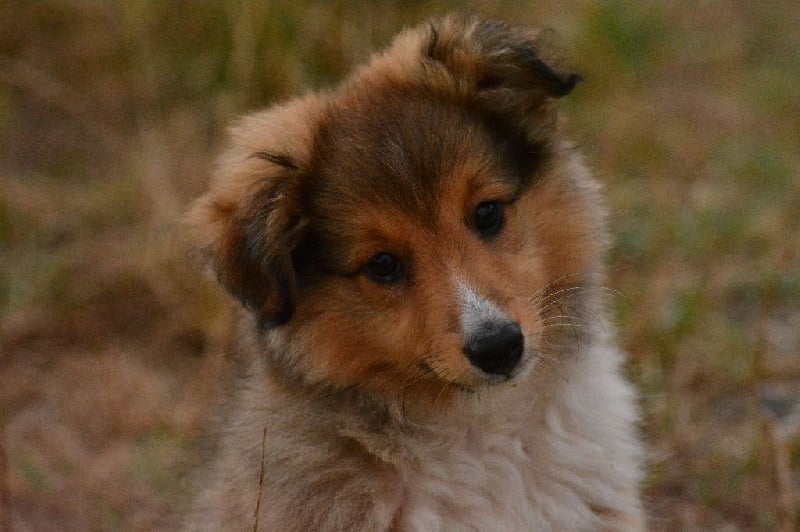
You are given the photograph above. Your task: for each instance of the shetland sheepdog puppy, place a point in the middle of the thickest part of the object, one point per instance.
(418, 256)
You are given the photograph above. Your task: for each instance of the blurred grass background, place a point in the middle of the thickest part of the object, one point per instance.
(111, 114)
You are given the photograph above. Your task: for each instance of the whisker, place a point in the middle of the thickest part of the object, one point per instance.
(445, 387)
(576, 291)
(563, 316)
(565, 324)
(547, 287)
(547, 294)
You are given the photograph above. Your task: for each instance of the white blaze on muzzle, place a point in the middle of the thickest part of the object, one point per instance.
(477, 312)
(492, 341)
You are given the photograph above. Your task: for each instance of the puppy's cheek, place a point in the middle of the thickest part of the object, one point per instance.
(353, 345)
(562, 228)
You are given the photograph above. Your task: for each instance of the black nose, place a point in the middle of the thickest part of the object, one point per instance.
(496, 349)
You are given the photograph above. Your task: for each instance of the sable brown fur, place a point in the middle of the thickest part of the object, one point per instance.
(377, 416)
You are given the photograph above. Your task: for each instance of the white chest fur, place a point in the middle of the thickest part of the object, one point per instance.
(566, 466)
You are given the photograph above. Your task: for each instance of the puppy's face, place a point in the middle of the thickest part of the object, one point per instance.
(416, 229)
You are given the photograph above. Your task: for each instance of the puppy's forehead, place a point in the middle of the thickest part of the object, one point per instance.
(403, 149)
(397, 148)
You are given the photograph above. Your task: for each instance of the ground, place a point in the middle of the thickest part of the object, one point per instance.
(111, 339)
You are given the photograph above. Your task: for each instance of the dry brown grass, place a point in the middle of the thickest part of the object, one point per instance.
(111, 342)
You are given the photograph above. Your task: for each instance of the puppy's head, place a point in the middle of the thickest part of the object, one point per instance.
(414, 229)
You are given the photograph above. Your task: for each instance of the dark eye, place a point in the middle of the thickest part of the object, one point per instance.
(384, 268)
(488, 218)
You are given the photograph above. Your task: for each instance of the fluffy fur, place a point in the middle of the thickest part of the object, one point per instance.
(419, 255)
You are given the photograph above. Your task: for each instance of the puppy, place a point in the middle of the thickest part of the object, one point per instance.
(418, 254)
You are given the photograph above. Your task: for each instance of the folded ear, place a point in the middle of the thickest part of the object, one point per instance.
(496, 57)
(249, 244)
(252, 218)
